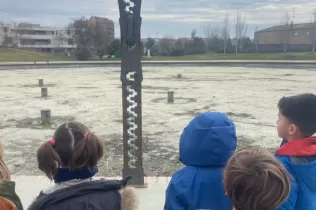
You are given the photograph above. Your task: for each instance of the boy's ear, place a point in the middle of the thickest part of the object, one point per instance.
(293, 129)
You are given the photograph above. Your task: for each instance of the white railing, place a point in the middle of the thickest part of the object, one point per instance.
(39, 36)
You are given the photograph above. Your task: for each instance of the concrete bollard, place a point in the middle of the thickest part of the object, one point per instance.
(40, 82)
(179, 76)
(170, 97)
(46, 117)
(44, 92)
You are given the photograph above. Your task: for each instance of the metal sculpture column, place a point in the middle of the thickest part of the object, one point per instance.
(131, 77)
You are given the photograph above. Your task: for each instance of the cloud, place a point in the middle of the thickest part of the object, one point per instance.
(162, 17)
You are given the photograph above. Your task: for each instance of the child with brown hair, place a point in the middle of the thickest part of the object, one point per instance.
(70, 158)
(8, 198)
(255, 180)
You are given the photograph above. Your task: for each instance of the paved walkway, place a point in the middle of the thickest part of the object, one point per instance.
(28, 187)
(117, 63)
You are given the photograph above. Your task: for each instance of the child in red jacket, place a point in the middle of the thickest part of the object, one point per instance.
(297, 125)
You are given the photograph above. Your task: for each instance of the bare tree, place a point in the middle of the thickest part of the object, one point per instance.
(240, 29)
(256, 38)
(179, 44)
(165, 46)
(314, 30)
(225, 31)
(286, 30)
(17, 32)
(244, 34)
(215, 32)
(193, 34)
(12, 34)
(207, 30)
(84, 33)
(3, 29)
(212, 34)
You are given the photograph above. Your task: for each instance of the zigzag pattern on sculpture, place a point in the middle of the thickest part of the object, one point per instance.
(132, 126)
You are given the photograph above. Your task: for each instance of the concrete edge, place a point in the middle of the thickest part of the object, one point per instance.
(164, 62)
(234, 63)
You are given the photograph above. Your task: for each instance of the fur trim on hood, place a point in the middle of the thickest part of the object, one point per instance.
(6, 204)
(129, 199)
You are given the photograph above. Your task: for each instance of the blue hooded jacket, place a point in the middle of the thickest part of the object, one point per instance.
(206, 144)
(303, 186)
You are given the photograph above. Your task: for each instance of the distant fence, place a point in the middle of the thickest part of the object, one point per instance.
(272, 48)
(269, 48)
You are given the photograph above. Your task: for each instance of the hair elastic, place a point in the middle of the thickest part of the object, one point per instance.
(52, 141)
(86, 133)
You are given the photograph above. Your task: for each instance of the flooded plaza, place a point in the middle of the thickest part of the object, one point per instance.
(93, 96)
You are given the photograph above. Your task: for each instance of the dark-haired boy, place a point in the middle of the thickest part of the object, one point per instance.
(297, 125)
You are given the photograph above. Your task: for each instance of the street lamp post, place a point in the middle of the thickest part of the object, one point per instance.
(131, 78)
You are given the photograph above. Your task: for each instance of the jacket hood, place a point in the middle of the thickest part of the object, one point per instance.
(208, 140)
(305, 173)
(303, 159)
(83, 190)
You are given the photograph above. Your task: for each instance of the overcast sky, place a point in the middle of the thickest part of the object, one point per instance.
(163, 17)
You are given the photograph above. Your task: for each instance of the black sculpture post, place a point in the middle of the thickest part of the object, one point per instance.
(131, 77)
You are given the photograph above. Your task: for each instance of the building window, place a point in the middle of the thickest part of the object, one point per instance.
(307, 33)
(296, 34)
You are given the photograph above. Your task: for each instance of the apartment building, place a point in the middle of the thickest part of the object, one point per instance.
(109, 26)
(36, 37)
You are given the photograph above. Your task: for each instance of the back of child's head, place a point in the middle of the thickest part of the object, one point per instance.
(73, 146)
(300, 110)
(4, 171)
(255, 179)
